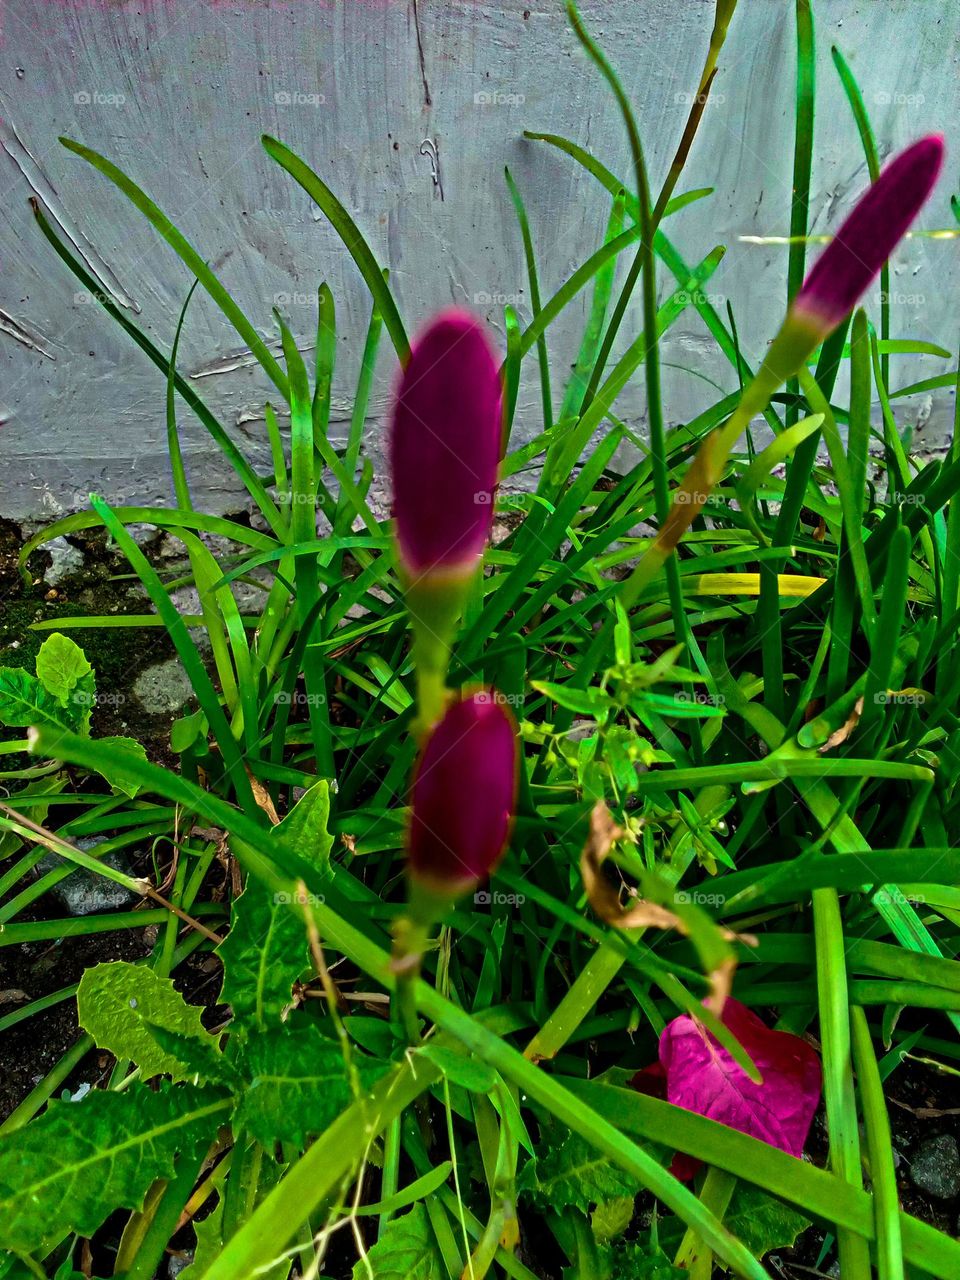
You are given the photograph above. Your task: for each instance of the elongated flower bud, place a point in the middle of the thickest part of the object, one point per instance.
(851, 261)
(463, 800)
(831, 290)
(878, 222)
(445, 447)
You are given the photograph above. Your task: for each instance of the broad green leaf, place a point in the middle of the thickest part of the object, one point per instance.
(118, 1002)
(643, 1262)
(263, 955)
(62, 667)
(306, 824)
(73, 1166)
(296, 1083)
(63, 670)
(611, 1218)
(406, 1250)
(574, 1174)
(763, 1222)
(24, 701)
(116, 775)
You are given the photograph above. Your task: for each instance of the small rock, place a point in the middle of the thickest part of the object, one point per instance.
(164, 688)
(936, 1167)
(179, 1263)
(83, 892)
(66, 560)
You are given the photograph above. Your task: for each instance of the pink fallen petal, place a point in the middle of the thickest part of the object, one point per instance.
(703, 1077)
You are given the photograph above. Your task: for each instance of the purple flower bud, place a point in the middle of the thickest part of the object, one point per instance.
(464, 797)
(445, 447)
(869, 235)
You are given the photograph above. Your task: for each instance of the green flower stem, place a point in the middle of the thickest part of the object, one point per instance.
(435, 605)
(716, 1194)
(838, 1093)
(883, 1176)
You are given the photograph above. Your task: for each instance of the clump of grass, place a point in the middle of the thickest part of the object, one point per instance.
(749, 717)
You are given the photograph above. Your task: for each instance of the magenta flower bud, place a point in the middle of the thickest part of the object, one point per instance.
(463, 801)
(445, 447)
(869, 235)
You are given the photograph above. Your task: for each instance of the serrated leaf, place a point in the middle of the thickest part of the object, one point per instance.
(24, 701)
(407, 1250)
(641, 1262)
(296, 1083)
(762, 1222)
(118, 1002)
(63, 670)
(116, 775)
(263, 955)
(611, 1218)
(69, 1169)
(574, 1174)
(200, 1059)
(306, 825)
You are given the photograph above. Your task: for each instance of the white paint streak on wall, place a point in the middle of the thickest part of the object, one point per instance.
(156, 84)
(32, 341)
(44, 191)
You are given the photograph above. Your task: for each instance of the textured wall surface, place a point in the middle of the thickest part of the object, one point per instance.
(177, 93)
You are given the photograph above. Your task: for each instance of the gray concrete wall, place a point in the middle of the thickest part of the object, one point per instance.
(177, 93)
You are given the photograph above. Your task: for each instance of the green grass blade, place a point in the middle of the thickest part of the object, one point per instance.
(188, 255)
(350, 234)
